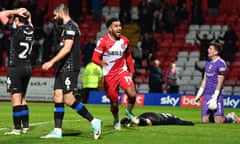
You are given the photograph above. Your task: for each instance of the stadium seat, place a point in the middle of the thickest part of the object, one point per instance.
(186, 73)
(3, 70)
(179, 37)
(215, 28)
(194, 27)
(114, 9)
(183, 54)
(204, 28)
(220, 20)
(190, 89)
(236, 90)
(105, 9)
(143, 88)
(228, 90)
(229, 83)
(209, 20)
(138, 80)
(37, 72)
(196, 81)
(190, 63)
(180, 64)
(194, 54)
(197, 73)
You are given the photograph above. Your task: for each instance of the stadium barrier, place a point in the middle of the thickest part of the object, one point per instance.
(158, 99)
(41, 89)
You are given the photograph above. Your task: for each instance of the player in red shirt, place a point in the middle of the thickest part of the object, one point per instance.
(114, 55)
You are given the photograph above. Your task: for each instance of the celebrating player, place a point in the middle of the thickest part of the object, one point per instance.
(113, 54)
(19, 65)
(66, 78)
(212, 88)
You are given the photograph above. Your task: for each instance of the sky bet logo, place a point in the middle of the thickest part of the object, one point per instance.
(168, 100)
(231, 102)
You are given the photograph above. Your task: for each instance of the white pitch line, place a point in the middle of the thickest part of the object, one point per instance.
(40, 123)
(3, 129)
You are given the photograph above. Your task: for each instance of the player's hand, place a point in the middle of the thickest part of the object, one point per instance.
(104, 63)
(22, 12)
(198, 96)
(212, 104)
(47, 65)
(197, 101)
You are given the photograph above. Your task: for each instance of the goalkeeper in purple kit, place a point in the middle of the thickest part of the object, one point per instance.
(212, 88)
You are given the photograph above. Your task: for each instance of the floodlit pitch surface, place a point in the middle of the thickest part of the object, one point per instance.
(78, 130)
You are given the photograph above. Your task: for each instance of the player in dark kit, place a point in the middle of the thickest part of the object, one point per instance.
(19, 65)
(153, 118)
(68, 57)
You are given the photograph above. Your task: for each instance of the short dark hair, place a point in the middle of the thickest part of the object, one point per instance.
(217, 47)
(62, 8)
(110, 21)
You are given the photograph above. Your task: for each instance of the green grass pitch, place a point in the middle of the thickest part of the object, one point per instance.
(77, 130)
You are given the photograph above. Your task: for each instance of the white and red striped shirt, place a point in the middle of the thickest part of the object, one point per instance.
(116, 53)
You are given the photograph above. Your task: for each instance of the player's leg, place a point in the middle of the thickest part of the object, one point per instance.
(25, 116)
(205, 113)
(16, 113)
(126, 83)
(231, 117)
(219, 112)
(114, 108)
(58, 109)
(25, 109)
(111, 89)
(78, 106)
(14, 88)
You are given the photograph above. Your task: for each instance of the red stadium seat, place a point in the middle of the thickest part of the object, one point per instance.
(3, 70)
(37, 71)
(50, 73)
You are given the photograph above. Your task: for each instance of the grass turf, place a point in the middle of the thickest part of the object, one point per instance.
(78, 130)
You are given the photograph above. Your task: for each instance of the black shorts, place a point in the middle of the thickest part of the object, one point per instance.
(67, 81)
(18, 79)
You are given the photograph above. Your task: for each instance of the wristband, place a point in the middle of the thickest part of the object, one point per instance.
(200, 92)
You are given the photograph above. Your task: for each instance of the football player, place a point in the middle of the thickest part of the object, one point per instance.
(18, 22)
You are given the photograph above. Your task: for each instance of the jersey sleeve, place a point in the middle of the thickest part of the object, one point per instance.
(98, 52)
(222, 69)
(69, 33)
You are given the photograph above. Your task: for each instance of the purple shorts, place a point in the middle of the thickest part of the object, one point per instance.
(220, 106)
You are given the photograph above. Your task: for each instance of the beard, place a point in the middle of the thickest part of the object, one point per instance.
(59, 21)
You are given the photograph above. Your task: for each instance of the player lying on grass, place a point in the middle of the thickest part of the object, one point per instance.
(154, 118)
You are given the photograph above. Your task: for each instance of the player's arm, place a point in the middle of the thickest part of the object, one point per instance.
(61, 54)
(212, 103)
(97, 55)
(221, 77)
(4, 15)
(200, 90)
(28, 15)
(129, 61)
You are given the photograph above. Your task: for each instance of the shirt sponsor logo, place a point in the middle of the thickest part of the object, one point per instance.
(70, 32)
